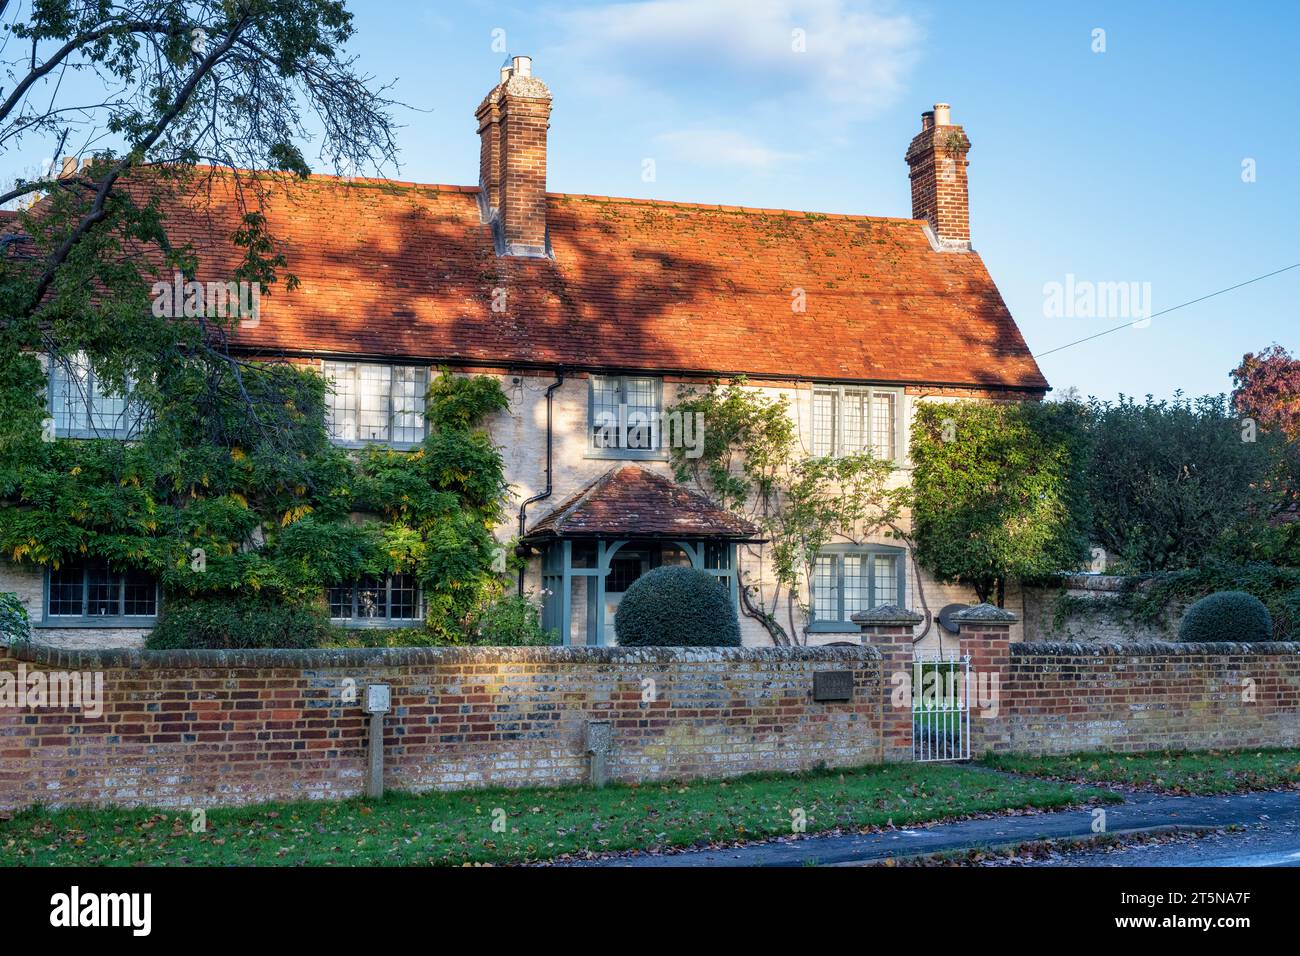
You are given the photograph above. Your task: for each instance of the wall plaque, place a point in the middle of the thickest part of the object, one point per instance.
(833, 685)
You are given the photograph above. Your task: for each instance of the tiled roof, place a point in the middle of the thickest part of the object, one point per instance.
(632, 502)
(404, 270)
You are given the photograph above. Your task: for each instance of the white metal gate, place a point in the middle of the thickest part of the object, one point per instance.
(941, 708)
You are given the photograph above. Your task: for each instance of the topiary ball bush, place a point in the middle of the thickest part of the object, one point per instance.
(1227, 616)
(677, 607)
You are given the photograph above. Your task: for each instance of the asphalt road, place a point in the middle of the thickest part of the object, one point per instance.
(1268, 843)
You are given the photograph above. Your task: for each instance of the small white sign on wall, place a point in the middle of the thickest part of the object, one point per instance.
(377, 698)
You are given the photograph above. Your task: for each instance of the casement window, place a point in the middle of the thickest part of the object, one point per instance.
(93, 593)
(624, 416)
(392, 601)
(82, 407)
(847, 421)
(372, 403)
(848, 579)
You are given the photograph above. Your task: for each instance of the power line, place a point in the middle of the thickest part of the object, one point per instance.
(1097, 335)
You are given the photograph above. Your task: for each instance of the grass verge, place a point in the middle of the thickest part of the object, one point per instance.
(531, 825)
(1184, 772)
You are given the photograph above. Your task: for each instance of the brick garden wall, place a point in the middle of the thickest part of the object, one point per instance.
(1059, 698)
(212, 727)
(217, 727)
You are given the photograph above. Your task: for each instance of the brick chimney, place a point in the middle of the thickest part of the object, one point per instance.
(937, 157)
(512, 124)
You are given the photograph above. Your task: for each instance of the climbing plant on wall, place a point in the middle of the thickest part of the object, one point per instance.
(253, 516)
(751, 463)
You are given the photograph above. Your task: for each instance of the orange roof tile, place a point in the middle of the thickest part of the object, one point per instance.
(631, 501)
(410, 271)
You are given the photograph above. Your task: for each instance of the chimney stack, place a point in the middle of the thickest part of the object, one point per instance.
(937, 157)
(69, 168)
(512, 124)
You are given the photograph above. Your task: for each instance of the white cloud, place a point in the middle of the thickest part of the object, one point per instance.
(720, 147)
(856, 60)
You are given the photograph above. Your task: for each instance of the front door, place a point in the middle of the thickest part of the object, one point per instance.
(624, 568)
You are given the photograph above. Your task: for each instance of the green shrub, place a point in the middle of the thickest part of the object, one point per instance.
(1170, 482)
(1227, 616)
(677, 607)
(13, 620)
(379, 637)
(226, 622)
(512, 621)
(1286, 623)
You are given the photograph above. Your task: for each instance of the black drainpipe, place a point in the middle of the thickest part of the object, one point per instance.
(523, 508)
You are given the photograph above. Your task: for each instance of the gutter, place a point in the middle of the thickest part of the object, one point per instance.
(522, 549)
(512, 364)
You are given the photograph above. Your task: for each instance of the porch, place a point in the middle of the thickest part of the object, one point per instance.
(620, 526)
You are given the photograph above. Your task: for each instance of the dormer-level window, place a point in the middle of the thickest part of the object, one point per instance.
(624, 416)
(83, 407)
(847, 421)
(380, 404)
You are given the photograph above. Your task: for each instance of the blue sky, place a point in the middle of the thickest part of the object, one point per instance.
(1115, 166)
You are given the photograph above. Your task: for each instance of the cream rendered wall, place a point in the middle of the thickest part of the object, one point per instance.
(521, 433)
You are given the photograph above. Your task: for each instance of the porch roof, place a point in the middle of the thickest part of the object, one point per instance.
(631, 502)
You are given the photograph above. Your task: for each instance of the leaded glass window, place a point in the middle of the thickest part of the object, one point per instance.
(82, 406)
(371, 403)
(847, 421)
(851, 579)
(624, 415)
(92, 591)
(394, 600)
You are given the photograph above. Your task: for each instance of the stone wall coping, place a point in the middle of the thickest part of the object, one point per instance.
(1099, 582)
(1150, 649)
(887, 614)
(354, 657)
(985, 614)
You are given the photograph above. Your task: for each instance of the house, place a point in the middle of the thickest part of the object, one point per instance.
(594, 312)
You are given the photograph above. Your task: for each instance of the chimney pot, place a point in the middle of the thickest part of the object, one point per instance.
(927, 120)
(505, 73)
(942, 114)
(522, 65)
(69, 167)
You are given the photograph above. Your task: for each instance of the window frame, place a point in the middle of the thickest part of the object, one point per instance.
(387, 442)
(85, 619)
(656, 453)
(387, 621)
(839, 392)
(130, 423)
(844, 624)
